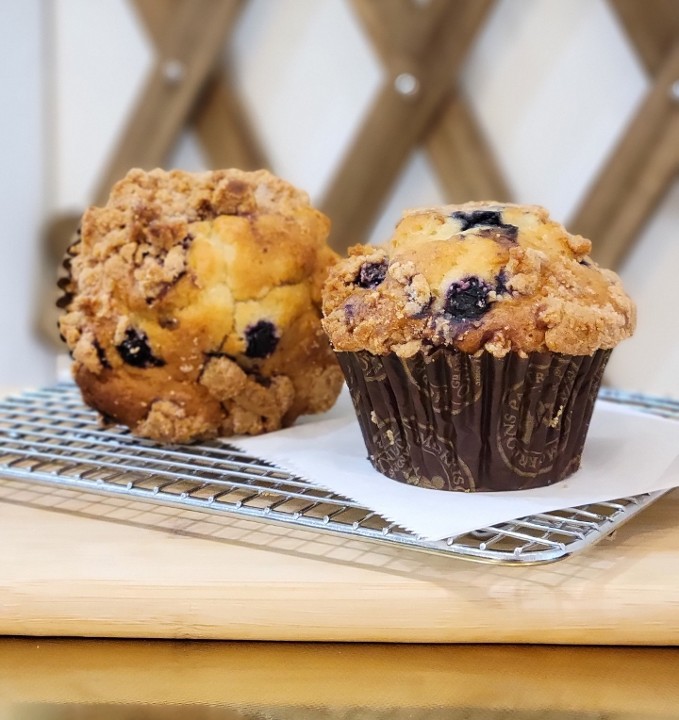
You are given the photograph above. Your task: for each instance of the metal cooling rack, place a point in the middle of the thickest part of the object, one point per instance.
(50, 437)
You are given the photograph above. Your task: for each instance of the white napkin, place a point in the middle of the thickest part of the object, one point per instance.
(627, 453)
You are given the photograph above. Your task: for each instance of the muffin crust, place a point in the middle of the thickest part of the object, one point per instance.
(193, 305)
(478, 276)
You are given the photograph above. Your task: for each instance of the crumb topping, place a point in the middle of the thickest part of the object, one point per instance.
(192, 305)
(478, 276)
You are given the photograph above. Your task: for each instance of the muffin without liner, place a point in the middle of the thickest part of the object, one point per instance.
(193, 305)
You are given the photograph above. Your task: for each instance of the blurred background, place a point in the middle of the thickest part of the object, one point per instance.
(371, 106)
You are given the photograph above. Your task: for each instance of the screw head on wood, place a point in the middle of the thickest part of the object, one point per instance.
(173, 71)
(407, 84)
(674, 91)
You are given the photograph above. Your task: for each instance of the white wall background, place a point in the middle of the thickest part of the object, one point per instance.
(552, 82)
(23, 360)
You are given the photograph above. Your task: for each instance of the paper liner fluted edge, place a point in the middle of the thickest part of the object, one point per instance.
(452, 421)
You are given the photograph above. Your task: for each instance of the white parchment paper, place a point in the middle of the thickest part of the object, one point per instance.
(627, 453)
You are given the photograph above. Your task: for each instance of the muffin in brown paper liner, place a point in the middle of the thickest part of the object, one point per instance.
(474, 342)
(453, 421)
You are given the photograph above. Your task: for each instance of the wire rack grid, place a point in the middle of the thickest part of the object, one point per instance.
(50, 437)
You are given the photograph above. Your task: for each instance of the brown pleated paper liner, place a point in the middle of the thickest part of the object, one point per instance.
(453, 421)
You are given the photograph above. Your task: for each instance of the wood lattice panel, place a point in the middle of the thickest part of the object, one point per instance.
(422, 47)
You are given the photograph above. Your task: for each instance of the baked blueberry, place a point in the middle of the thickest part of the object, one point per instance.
(478, 217)
(467, 299)
(501, 282)
(262, 339)
(371, 275)
(136, 351)
(485, 218)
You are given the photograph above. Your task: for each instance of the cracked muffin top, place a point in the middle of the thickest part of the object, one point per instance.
(193, 305)
(478, 276)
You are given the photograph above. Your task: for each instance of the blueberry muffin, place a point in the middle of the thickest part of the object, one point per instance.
(192, 305)
(474, 343)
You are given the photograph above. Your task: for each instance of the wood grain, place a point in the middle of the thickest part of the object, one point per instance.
(639, 171)
(652, 26)
(157, 573)
(281, 680)
(194, 46)
(459, 153)
(637, 175)
(456, 146)
(218, 116)
(432, 54)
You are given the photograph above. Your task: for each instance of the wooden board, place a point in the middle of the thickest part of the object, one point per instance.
(63, 572)
(63, 679)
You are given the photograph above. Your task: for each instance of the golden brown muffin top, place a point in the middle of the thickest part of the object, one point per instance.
(481, 275)
(193, 305)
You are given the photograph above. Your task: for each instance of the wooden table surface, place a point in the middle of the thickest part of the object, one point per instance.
(85, 565)
(56, 678)
(45, 678)
(94, 566)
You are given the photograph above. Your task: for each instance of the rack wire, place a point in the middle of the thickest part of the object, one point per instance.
(50, 437)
